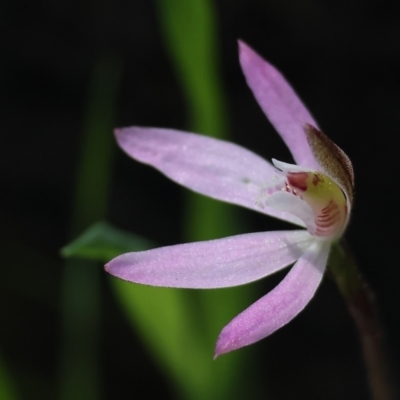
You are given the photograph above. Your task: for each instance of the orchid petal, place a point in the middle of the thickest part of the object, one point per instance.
(288, 202)
(280, 103)
(232, 261)
(287, 168)
(280, 305)
(212, 167)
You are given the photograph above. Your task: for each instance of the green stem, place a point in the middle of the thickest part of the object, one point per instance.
(362, 305)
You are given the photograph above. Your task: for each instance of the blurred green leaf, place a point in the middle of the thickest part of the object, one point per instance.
(80, 369)
(102, 242)
(165, 320)
(189, 30)
(7, 389)
(190, 34)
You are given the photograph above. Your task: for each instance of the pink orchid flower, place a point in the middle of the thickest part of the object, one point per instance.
(316, 194)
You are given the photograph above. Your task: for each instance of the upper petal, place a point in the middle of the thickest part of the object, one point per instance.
(280, 305)
(280, 103)
(215, 168)
(217, 263)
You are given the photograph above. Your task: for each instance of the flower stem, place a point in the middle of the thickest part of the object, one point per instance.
(361, 301)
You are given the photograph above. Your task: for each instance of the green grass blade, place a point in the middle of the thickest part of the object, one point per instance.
(80, 364)
(190, 33)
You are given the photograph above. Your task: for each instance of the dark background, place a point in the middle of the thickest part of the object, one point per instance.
(343, 57)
